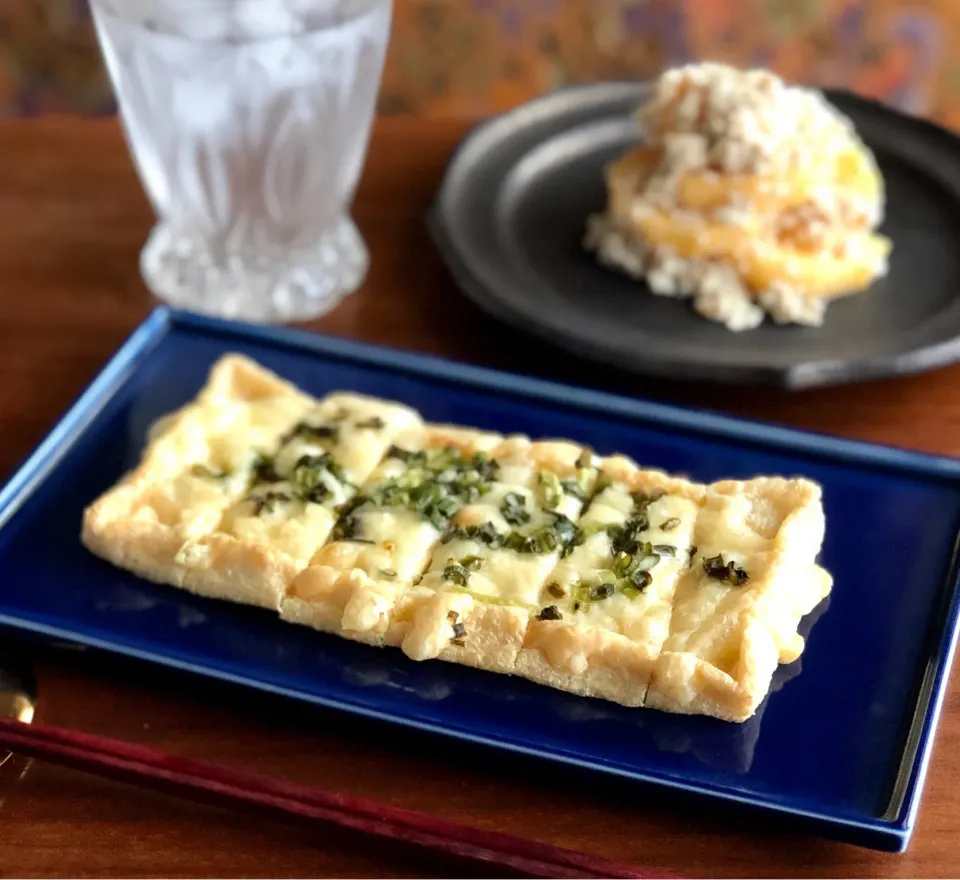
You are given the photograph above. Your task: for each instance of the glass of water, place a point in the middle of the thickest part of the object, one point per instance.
(248, 123)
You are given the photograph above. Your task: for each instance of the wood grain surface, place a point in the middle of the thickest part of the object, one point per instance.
(72, 220)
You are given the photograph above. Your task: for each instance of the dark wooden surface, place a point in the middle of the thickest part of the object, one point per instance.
(72, 221)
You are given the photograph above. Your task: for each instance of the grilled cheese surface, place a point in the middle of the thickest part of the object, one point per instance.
(537, 558)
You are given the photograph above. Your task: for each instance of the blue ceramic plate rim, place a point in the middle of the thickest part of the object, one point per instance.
(888, 833)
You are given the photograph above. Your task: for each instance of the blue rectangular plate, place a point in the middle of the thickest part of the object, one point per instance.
(842, 742)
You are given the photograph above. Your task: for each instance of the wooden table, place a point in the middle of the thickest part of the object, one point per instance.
(72, 220)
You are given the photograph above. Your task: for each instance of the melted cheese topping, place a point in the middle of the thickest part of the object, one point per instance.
(208, 453)
(396, 541)
(193, 504)
(366, 428)
(402, 541)
(296, 533)
(708, 613)
(504, 575)
(434, 624)
(500, 575)
(272, 514)
(246, 428)
(643, 618)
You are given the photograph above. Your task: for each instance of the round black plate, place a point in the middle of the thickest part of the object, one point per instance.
(510, 215)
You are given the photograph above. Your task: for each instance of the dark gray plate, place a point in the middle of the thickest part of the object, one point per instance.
(510, 214)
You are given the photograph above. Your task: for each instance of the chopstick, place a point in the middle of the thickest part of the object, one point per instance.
(197, 780)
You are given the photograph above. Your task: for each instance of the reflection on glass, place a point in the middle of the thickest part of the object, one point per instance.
(248, 122)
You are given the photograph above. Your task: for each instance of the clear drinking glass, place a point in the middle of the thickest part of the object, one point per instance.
(248, 122)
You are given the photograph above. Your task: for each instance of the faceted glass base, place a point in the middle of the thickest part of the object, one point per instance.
(302, 285)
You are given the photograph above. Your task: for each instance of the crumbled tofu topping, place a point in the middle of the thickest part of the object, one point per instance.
(740, 121)
(614, 247)
(722, 297)
(786, 306)
(747, 195)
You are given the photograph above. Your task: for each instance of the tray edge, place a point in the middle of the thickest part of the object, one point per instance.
(889, 834)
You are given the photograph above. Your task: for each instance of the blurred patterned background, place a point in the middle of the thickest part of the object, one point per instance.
(476, 57)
